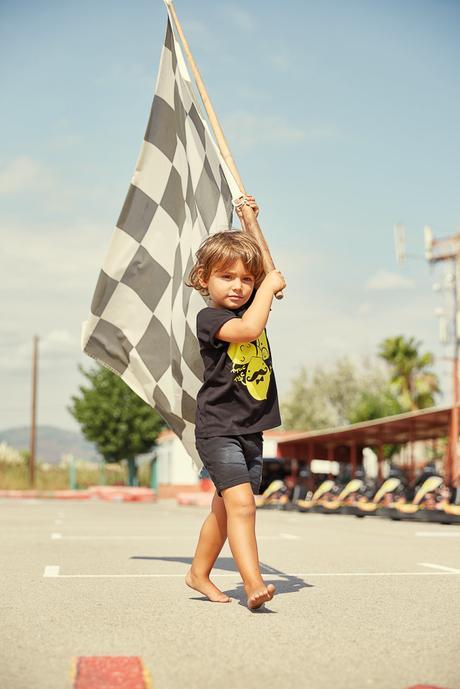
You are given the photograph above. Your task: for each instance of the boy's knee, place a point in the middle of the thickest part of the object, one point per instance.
(244, 510)
(240, 503)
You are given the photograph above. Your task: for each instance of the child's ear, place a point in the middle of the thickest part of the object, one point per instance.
(200, 279)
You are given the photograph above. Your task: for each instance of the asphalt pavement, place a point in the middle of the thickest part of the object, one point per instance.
(361, 603)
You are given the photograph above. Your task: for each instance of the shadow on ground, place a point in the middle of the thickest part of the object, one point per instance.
(286, 583)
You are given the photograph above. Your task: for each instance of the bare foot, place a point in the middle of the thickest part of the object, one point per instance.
(257, 596)
(205, 586)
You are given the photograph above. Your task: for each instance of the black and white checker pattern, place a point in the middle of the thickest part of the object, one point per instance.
(143, 316)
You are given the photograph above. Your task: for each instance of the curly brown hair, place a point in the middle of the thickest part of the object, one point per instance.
(219, 251)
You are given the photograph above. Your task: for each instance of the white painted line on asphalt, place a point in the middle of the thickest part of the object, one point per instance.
(439, 534)
(289, 536)
(150, 538)
(443, 567)
(115, 538)
(51, 571)
(55, 573)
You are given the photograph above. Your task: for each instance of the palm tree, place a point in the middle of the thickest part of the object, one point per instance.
(415, 384)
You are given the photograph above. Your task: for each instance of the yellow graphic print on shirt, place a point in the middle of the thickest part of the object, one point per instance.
(249, 364)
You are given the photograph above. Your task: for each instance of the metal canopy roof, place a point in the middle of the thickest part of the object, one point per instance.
(423, 424)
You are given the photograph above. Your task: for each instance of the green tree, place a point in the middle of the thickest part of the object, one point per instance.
(115, 418)
(339, 395)
(321, 398)
(375, 401)
(375, 404)
(414, 383)
(376, 397)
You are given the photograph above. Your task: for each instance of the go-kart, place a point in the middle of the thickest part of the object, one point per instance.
(430, 504)
(274, 497)
(340, 503)
(383, 496)
(311, 500)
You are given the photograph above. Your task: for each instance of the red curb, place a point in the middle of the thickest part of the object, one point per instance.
(75, 494)
(110, 672)
(121, 493)
(426, 686)
(70, 494)
(200, 499)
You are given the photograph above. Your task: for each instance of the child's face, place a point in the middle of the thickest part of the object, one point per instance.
(231, 287)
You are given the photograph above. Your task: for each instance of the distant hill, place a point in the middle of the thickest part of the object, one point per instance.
(52, 442)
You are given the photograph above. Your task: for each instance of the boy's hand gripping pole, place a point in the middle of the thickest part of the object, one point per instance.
(250, 224)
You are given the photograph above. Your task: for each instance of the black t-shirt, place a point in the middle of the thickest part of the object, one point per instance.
(239, 394)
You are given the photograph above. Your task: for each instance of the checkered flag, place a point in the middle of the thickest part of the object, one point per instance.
(143, 317)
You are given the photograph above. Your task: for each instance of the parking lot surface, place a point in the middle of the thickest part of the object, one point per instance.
(360, 603)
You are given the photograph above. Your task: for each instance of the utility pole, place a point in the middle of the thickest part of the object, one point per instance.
(437, 250)
(34, 411)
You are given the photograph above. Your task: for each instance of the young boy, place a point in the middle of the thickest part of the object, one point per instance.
(237, 401)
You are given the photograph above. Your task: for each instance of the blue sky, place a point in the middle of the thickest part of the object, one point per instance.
(342, 118)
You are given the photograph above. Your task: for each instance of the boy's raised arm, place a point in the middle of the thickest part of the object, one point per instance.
(254, 320)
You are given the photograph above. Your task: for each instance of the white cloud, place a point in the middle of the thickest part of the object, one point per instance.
(38, 188)
(296, 260)
(58, 342)
(42, 257)
(195, 29)
(64, 141)
(55, 348)
(383, 280)
(24, 174)
(247, 130)
(240, 18)
(364, 309)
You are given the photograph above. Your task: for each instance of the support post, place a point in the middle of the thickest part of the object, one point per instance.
(380, 462)
(330, 458)
(33, 421)
(411, 458)
(310, 457)
(353, 458)
(72, 473)
(451, 476)
(102, 475)
(154, 473)
(453, 480)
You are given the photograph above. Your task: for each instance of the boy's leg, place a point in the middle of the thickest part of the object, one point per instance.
(212, 537)
(241, 518)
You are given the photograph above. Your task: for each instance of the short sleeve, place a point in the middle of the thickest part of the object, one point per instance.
(208, 322)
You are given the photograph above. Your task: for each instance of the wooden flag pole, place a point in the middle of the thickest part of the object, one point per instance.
(33, 421)
(250, 223)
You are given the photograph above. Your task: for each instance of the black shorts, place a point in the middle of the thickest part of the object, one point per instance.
(232, 459)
